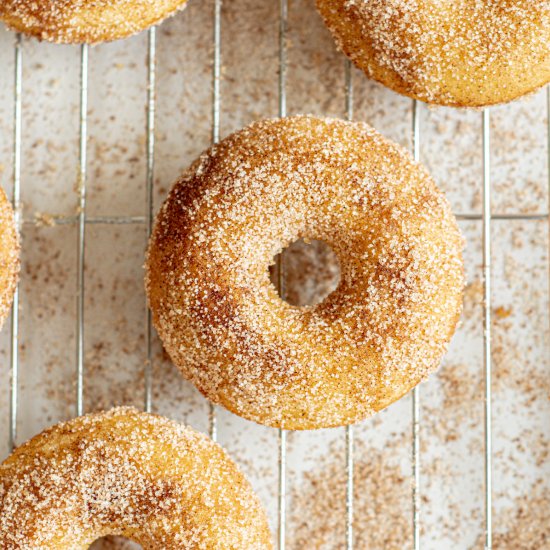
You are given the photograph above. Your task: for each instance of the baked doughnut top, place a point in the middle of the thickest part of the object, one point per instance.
(467, 53)
(9, 256)
(127, 473)
(85, 21)
(375, 337)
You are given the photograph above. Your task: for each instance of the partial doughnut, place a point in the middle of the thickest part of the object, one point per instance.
(85, 21)
(9, 256)
(468, 53)
(381, 332)
(130, 474)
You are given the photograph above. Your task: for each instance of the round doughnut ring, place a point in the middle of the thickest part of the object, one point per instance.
(9, 256)
(131, 474)
(469, 53)
(374, 338)
(85, 21)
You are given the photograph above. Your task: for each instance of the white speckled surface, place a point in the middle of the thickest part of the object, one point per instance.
(452, 405)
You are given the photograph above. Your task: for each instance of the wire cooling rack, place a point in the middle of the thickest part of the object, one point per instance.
(82, 221)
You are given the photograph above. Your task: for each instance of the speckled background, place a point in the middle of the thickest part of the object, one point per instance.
(451, 401)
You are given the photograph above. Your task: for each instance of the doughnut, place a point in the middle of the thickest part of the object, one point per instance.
(377, 335)
(471, 53)
(129, 474)
(85, 21)
(9, 256)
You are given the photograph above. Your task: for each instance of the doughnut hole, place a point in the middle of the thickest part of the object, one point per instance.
(115, 543)
(312, 272)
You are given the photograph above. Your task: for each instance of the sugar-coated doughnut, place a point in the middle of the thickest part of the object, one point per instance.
(9, 256)
(467, 53)
(130, 474)
(85, 21)
(375, 337)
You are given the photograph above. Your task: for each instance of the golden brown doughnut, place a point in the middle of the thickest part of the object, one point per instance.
(9, 256)
(127, 473)
(375, 337)
(85, 21)
(467, 53)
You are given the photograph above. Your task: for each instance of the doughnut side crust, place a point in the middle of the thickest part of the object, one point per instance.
(9, 256)
(381, 332)
(462, 54)
(85, 21)
(126, 473)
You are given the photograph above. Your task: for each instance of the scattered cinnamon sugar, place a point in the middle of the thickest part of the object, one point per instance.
(312, 272)
(524, 524)
(461, 404)
(381, 503)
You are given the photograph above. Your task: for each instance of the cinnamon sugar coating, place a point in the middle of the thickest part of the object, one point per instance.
(131, 474)
(9, 256)
(85, 21)
(470, 53)
(383, 329)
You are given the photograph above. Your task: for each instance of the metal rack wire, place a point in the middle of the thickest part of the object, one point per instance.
(282, 444)
(81, 233)
(16, 201)
(149, 181)
(81, 220)
(350, 442)
(487, 364)
(415, 455)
